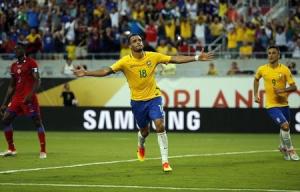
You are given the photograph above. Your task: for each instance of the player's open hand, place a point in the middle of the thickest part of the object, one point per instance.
(257, 99)
(79, 71)
(206, 56)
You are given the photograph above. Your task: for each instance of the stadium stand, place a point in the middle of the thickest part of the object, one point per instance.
(92, 30)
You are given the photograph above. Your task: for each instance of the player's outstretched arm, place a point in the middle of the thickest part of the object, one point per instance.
(79, 71)
(185, 59)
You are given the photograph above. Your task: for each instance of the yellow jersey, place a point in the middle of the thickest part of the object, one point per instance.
(275, 78)
(140, 74)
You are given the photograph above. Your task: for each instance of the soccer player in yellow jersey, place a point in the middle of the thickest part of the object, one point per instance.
(276, 76)
(146, 102)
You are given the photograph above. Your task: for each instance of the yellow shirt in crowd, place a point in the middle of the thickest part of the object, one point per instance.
(232, 40)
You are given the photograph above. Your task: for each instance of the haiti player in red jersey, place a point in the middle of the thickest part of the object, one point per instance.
(21, 99)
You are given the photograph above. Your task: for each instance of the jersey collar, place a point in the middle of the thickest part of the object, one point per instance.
(24, 60)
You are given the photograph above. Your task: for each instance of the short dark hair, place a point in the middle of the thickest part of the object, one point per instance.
(132, 35)
(274, 47)
(21, 45)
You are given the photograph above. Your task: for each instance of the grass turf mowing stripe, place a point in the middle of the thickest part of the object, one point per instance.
(143, 187)
(133, 160)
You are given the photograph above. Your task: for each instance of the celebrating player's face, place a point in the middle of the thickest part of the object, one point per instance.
(136, 43)
(273, 55)
(19, 50)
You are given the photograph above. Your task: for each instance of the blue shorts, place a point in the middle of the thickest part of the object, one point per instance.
(279, 114)
(146, 111)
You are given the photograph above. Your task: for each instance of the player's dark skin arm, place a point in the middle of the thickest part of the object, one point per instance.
(9, 93)
(79, 71)
(36, 85)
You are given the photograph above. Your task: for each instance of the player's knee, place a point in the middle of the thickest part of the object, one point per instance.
(160, 127)
(6, 121)
(37, 122)
(145, 131)
(285, 126)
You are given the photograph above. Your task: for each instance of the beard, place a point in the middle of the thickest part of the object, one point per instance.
(138, 50)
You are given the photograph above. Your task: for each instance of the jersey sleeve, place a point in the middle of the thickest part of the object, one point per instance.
(258, 73)
(289, 77)
(34, 66)
(117, 66)
(161, 58)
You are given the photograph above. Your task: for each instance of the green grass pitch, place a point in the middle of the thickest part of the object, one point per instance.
(104, 161)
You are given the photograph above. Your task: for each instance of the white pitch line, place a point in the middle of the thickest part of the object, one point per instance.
(132, 160)
(144, 187)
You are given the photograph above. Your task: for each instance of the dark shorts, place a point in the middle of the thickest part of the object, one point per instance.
(279, 114)
(146, 111)
(17, 107)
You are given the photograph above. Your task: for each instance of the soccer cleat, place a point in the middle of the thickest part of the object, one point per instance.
(141, 154)
(9, 153)
(283, 150)
(43, 155)
(167, 167)
(293, 155)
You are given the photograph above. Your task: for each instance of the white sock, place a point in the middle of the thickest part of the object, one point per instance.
(163, 146)
(286, 139)
(141, 140)
(281, 140)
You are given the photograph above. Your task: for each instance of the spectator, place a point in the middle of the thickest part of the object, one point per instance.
(170, 68)
(162, 48)
(70, 30)
(240, 33)
(185, 28)
(68, 67)
(200, 28)
(246, 50)
(234, 69)
(232, 42)
(212, 70)
(48, 42)
(186, 49)
(81, 40)
(34, 42)
(94, 41)
(216, 28)
(191, 5)
(125, 50)
(33, 16)
(223, 8)
(151, 34)
(292, 67)
(71, 50)
(170, 29)
(280, 39)
(59, 40)
(296, 49)
(114, 17)
(69, 99)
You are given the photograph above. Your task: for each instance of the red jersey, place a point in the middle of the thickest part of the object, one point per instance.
(151, 33)
(23, 75)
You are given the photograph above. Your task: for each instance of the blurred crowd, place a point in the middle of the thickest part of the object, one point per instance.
(79, 27)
